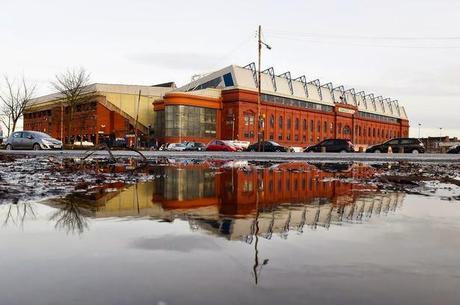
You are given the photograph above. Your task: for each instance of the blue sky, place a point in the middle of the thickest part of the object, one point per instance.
(407, 50)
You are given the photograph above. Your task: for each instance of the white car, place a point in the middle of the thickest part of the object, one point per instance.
(83, 143)
(176, 146)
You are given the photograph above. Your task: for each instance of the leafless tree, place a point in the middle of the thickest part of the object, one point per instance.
(72, 215)
(15, 98)
(72, 86)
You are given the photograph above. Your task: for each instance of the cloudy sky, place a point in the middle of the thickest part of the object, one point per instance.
(407, 50)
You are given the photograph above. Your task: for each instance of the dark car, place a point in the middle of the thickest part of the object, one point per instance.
(194, 146)
(32, 140)
(454, 150)
(269, 146)
(332, 145)
(398, 145)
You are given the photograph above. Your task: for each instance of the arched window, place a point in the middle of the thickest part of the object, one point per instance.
(288, 123)
(304, 124)
(346, 130)
(280, 122)
(296, 124)
(272, 121)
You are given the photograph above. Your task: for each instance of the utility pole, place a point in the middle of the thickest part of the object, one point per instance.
(259, 47)
(137, 119)
(259, 117)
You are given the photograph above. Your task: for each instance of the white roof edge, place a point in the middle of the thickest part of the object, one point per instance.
(243, 82)
(110, 88)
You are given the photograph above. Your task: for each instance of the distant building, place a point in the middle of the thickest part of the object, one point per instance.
(108, 111)
(296, 112)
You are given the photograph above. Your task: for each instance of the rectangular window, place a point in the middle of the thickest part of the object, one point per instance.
(228, 80)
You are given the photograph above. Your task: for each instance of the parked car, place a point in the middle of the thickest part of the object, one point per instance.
(269, 146)
(332, 145)
(32, 140)
(406, 145)
(83, 143)
(176, 147)
(194, 146)
(454, 150)
(120, 143)
(220, 145)
(240, 145)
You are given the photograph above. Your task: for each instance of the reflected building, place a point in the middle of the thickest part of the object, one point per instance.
(229, 200)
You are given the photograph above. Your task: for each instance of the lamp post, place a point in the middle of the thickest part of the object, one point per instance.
(259, 117)
(419, 125)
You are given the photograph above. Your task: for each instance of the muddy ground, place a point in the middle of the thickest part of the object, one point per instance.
(30, 178)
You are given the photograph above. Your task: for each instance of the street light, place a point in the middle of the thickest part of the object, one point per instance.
(259, 117)
(419, 125)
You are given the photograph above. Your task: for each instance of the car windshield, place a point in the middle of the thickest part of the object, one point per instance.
(273, 143)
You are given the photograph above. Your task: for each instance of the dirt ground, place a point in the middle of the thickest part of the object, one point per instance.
(28, 178)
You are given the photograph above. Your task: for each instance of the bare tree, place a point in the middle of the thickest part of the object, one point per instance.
(15, 99)
(72, 86)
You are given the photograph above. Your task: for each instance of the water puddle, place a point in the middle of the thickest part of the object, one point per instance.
(240, 232)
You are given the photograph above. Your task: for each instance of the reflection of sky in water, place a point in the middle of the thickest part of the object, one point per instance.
(141, 248)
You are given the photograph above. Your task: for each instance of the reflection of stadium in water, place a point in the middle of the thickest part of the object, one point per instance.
(226, 201)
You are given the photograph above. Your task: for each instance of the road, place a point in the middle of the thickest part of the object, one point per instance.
(262, 156)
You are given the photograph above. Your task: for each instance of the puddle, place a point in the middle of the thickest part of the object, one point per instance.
(220, 232)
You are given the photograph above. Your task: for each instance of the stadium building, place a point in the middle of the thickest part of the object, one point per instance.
(105, 110)
(295, 111)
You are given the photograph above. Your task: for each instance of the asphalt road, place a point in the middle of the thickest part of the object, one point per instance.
(256, 156)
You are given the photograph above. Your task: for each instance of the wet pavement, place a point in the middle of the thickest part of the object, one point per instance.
(259, 156)
(129, 231)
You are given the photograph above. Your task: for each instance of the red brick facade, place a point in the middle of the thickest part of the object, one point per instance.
(91, 121)
(293, 126)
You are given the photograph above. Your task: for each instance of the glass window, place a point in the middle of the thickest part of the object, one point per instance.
(228, 80)
(272, 121)
(296, 123)
(288, 123)
(280, 122)
(304, 124)
(189, 121)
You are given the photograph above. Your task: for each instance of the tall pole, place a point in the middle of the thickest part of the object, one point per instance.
(419, 125)
(62, 122)
(137, 119)
(259, 121)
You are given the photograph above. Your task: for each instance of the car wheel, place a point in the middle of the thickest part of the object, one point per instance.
(8, 147)
(415, 151)
(36, 146)
(343, 151)
(277, 150)
(252, 149)
(377, 151)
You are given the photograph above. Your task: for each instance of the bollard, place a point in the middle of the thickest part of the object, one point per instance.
(390, 150)
(323, 149)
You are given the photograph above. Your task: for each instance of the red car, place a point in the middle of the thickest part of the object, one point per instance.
(219, 145)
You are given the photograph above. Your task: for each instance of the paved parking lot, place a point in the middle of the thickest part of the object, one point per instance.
(257, 156)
